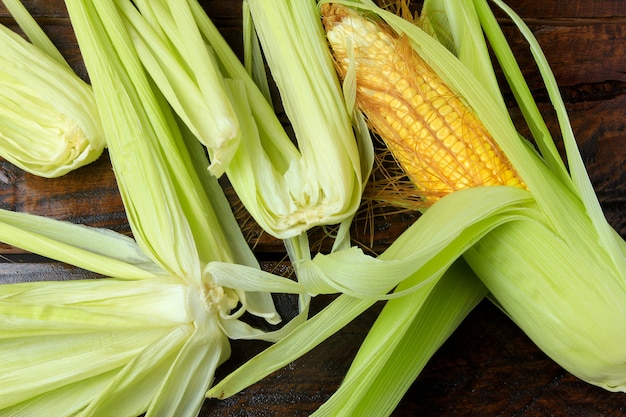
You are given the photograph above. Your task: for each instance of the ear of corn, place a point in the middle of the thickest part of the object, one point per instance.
(46, 128)
(286, 187)
(435, 137)
(567, 220)
(482, 224)
(146, 337)
(302, 190)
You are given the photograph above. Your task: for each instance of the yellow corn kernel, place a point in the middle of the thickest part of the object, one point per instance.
(433, 135)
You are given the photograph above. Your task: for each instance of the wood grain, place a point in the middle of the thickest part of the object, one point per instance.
(488, 367)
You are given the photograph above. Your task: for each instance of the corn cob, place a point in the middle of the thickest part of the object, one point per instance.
(434, 136)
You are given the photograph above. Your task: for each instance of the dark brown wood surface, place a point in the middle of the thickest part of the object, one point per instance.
(488, 367)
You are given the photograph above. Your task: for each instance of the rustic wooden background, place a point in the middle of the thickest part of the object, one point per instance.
(488, 367)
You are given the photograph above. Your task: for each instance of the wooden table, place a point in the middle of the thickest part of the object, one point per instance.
(488, 367)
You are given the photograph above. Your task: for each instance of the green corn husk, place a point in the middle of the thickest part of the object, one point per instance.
(560, 277)
(287, 188)
(148, 337)
(49, 124)
(547, 255)
(184, 68)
